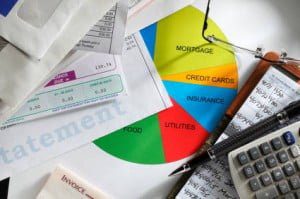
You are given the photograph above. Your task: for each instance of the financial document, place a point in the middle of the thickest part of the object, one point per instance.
(91, 79)
(28, 144)
(107, 36)
(274, 91)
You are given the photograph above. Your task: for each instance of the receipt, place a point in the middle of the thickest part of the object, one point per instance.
(210, 181)
(91, 79)
(274, 91)
(107, 36)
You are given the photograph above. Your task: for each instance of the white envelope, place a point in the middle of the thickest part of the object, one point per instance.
(33, 25)
(20, 75)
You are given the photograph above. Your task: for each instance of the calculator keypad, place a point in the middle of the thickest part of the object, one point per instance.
(276, 143)
(271, 167)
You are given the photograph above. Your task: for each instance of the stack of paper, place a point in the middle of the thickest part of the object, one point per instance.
(92, 82)
(43, 45)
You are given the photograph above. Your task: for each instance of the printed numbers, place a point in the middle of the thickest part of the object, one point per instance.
(278, 92)
(67, 99)
(267, 84)
(34, 108)
(103, 66)
(100, 91)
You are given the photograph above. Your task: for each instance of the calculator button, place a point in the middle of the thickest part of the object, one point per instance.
(283, 187)
(289, 138)
(260, 166)
(248, 171)
(271, 161)
(289, 169)
(295, 151)
(266, 179)
(268, 193)
(277, 174)
(254, 153)
(276, 143)
(254, 184)
(242, 158)
(295, 182)
(289, 196)
(282, 156)
(265, 148)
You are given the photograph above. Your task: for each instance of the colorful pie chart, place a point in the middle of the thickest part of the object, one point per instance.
(202, 81)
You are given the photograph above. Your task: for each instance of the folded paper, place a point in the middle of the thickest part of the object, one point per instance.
(20, 75)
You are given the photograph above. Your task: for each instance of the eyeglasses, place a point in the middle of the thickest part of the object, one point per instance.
(258, 53)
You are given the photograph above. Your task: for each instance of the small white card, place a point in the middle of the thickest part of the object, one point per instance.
(64, 184)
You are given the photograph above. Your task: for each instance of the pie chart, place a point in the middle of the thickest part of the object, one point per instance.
(202, 81)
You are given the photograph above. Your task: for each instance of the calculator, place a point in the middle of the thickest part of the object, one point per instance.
(268, 167)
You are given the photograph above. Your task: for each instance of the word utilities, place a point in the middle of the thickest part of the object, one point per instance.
(268, 167)
(261, 128)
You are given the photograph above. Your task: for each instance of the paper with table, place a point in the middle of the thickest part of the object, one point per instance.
(274, 91)
(21, 75)
(272, 94)
(111, 37)
(67, 131)
(107, 35)
(111, 27)
(194, 86)
(91, 79)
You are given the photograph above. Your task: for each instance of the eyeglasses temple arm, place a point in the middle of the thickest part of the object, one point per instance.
(205, 25)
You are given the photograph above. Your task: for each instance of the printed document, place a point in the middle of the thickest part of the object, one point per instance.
(31, 143)
(107, 36)
(91, 79)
